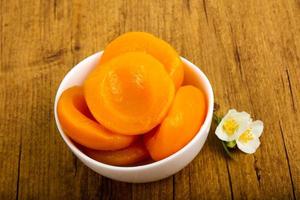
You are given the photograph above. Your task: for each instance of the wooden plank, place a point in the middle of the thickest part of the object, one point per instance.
(157, 190)
(266, 57)
(207, 175)
(13, 115)
(45, 165)
(288, 75)
(47, 168)
(247, 66)
(90, 34)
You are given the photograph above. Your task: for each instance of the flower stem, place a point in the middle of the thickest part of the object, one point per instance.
(227, 150)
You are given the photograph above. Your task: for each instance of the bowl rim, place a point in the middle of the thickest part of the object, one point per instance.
(81, 155)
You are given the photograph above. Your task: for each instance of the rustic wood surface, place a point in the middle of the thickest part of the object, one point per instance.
(249, 49)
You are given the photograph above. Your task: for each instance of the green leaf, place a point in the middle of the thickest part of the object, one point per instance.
(217, 119)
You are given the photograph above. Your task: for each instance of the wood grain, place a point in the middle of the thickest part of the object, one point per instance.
(250, 50)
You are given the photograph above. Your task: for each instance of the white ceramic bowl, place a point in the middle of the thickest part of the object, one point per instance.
(153, 171)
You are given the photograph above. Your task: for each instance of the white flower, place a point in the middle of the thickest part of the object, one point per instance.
(232, 125)
(239, 127)
(248, 141)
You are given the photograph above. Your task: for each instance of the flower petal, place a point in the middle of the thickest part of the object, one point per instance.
(248, 145)
(239, 119)
(230, 111)
(257, 127)
(224, 136)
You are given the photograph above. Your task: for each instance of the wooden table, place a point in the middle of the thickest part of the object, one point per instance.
(249, 49)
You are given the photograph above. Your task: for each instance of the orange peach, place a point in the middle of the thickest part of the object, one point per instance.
(148, 43)
(78, 123)
(131, 155)
(130, 94)
(182, 123)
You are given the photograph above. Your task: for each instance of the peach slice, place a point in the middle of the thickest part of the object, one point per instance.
(146, 42)
(77, 122)
(130, 94)
(131, 155)
(182, 123)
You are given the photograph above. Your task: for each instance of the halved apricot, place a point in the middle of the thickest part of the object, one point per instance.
(146, 42)
(131, 155)
(182, 123)
(129, 94)
(77, 122)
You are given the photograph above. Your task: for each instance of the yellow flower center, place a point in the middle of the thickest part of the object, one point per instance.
(246, 136)
(230, 126)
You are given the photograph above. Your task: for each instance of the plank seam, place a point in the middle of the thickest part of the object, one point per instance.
(230, 181)
(288, 160)
(189, 182)
(75, 165)
(1, 38)
(291, 90)
(19, 169)
(174, 187)
(205, 10)
(188, 5)
(257, 170)
(236, 53)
